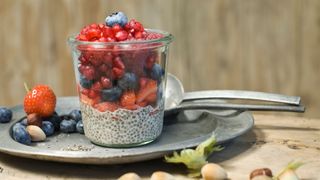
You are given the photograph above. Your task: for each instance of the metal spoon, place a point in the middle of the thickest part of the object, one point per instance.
(177, 100)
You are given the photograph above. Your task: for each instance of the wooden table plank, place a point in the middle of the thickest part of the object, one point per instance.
(274, 141)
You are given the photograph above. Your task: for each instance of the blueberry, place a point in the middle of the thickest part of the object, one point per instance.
(156, 72)
(79, 127)
(24, 122)
(47, 128)
(68, 126)
(55, 120)
(116, 18)
(85, 83)
(128, 81)
(20, 134)
(5, 115)
(75, 115)
(112, 94)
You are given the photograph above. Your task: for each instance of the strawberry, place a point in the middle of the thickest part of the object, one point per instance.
(106, 106)
(148, 92)
(128, 98)
(40, 100)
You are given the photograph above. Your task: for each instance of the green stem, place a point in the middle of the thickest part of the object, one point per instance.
(26, 86)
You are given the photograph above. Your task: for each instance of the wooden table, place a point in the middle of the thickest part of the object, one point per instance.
(274, 141)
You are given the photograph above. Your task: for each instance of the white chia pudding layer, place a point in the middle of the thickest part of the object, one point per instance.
(122, 127)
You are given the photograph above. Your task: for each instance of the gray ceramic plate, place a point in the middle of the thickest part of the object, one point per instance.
(179, 132)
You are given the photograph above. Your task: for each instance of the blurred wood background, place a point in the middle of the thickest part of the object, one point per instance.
(262, 45)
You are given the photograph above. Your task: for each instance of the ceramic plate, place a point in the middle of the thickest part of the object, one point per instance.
(185, 130)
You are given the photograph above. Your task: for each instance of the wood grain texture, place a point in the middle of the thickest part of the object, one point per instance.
(263, 45)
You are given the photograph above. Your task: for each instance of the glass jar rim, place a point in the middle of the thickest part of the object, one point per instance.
(167, 38)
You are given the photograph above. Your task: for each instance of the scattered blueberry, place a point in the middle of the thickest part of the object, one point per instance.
(128, 81)
(20, 134)
(79, 127)
(156, 72)
(112, 94)
(85, 83)
(55, 120)
(68, 126)
(5, 115)
(47, 128)
(24, 122)
(75, 115)
(116, 18)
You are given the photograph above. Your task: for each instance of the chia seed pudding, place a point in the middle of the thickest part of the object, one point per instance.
(122, 127)
(120, 70)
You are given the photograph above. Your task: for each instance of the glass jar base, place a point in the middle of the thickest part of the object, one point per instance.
(123, 145)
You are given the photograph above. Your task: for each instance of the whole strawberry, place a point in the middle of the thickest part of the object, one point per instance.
(40, 100)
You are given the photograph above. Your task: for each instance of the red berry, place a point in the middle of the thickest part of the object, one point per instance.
(97, 86)
(116, 28)
(117, 62)
(85, 91)
(93, 34)
(150, 62)
(89, 72)
(135, 25)
(138, 35)
(110, 39)
(107, 59)
(103, 68)
(121, 35)
(143, 82)
(150, 89)
(142, 103)
(40, 100)
(108, 32)
(83, 60)
(82, 37)
(117, 72)
(103, 39)
(92, 94)
(128, 98)
(105, 82)
(106, 106)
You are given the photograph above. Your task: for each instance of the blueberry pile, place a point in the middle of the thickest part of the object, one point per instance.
(33, 128)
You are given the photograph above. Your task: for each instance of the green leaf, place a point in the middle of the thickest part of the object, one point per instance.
(195, 159)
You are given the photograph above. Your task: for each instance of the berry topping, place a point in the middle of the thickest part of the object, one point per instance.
(148, 92)
(40, 100)
(112, 94)
(116, 18)
(85, 83)
(128, 98)
(105, 82)
(5, 115)
(121, 35)
(156, 72)
(128, 81)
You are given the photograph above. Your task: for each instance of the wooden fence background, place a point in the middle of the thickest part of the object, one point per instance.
(263, 45)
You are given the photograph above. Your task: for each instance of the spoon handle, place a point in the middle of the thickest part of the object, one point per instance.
(242, 107)
(237, 94)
